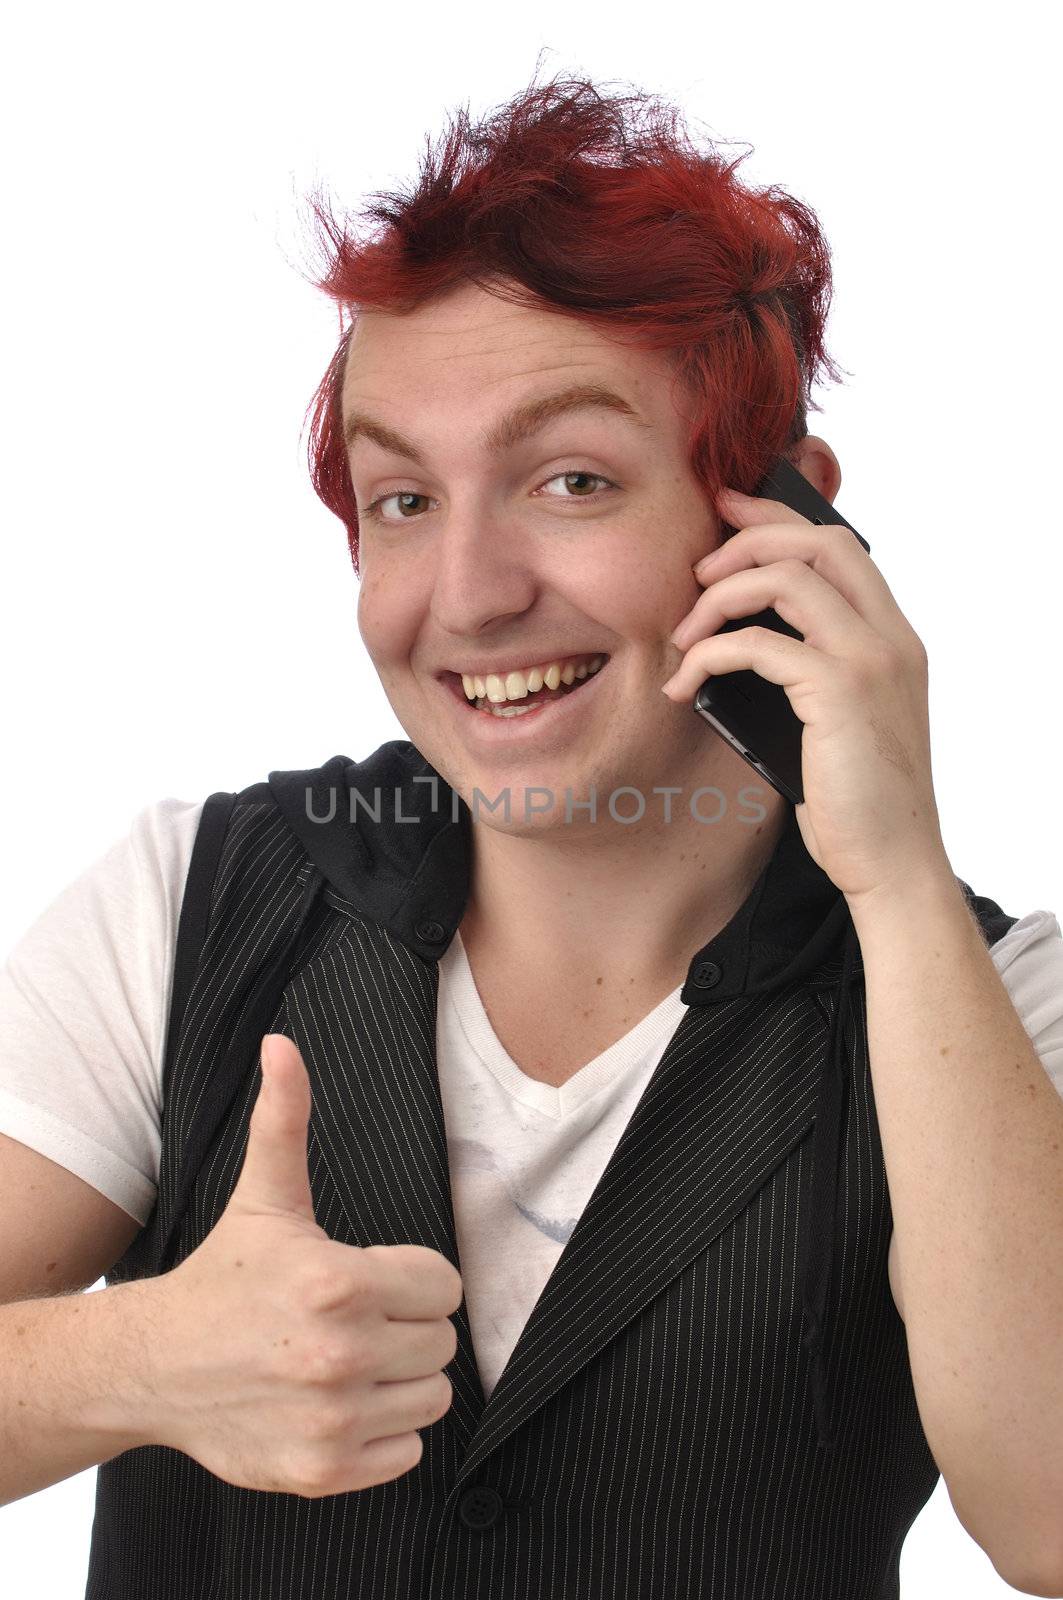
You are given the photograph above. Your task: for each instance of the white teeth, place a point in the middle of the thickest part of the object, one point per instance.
(517, 685)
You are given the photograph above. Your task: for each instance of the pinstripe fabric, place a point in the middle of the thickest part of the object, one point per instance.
(653, 1433)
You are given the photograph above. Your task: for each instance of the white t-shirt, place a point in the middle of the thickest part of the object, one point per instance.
(84, 998)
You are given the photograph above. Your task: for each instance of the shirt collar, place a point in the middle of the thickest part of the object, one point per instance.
(393, 843)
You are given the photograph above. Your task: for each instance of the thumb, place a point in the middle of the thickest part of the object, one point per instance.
(275, 1176)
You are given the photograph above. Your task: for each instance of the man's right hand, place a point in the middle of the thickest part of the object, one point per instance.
(286, 1361)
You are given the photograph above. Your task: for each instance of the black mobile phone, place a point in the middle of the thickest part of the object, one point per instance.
(753, 715)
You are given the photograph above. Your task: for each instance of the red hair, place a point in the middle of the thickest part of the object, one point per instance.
(600, 208)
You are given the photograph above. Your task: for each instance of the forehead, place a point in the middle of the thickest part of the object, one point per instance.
(469, 345)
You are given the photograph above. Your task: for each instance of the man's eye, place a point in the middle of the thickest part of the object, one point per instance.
(577, 472)
(373, 509)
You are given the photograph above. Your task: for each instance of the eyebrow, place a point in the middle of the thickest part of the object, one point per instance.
(525, 420)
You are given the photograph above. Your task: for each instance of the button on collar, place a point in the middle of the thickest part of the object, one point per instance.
(706, 975)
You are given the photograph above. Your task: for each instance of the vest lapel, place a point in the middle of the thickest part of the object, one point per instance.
(364, 1014)
(731, 1098)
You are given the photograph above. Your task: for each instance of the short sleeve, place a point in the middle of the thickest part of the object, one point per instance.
(84, 997)
(1029, 959)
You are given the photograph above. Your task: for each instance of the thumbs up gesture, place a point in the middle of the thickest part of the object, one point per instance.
(286, 1361)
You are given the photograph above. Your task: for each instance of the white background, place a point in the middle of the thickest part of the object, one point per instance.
(179, 610)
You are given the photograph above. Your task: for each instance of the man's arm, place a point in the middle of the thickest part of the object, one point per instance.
(972, 1138)
(75, 1385)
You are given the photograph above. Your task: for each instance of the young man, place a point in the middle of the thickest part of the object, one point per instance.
(702, 1094)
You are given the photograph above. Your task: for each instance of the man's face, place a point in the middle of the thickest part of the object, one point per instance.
(570, 542)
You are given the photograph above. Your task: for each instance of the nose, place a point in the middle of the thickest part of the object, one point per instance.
(482, 575)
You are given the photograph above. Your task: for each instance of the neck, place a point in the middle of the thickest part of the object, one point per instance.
(637, 900)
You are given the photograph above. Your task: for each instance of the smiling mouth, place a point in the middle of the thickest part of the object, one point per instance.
(522, 707)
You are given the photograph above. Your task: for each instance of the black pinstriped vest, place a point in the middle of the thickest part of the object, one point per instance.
(673, 1421)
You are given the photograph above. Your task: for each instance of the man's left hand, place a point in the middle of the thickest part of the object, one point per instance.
(858, 682)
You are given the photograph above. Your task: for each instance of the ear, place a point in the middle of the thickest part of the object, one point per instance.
(815, 460)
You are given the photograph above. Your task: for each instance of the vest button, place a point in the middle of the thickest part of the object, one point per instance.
(431, 932)
(706, 975)
(480, 1508)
